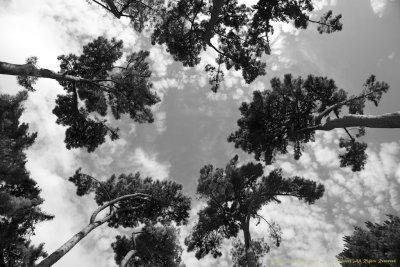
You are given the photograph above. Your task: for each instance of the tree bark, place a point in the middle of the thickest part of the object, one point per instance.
(250, 256)
(388, 120)
(127, 257)
(216, 10)
(31, 70)
(61, 251)
(113, 8)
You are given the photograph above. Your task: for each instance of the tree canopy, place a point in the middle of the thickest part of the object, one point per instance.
(131, 200)
(292, 111)
(242, 31)
(96, 83)
(379, 242)
(235, 196)
(153, 245)
(19, 195)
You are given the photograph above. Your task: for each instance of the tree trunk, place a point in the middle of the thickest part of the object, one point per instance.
(31, 70)
(61, 251)
(126, 259)
(113, 8)
(250, 256)
(216, 10)
(388, 120)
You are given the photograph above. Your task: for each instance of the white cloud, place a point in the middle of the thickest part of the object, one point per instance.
(161, 87)
(217, 96)
(325, 156)
(160, 118)
(378, 6)
(161, 61)
(147, 164)
(322, 4)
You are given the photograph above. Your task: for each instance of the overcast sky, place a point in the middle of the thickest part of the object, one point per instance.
(192, 125)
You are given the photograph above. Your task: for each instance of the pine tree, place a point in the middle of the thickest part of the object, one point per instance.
(19, 195)
(294, 109)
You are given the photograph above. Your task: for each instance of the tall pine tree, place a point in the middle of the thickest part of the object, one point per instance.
(19, 195)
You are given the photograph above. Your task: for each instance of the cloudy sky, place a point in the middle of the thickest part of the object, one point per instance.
(192, 125)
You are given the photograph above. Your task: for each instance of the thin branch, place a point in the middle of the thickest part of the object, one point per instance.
(125, 7)
(337, 105)
(195, 15)
(219, 204)
(129, 196)
(319, 22)
(101, 185)
(220, 52)
(146, 5)
(270, 226)
(106, 7)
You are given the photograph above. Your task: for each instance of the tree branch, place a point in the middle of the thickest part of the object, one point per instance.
(328, 110)
(270, 226)
(215, 12)
(319, 22)
(388, 120)
(127, 258)
(100, 4)
(113, 9)
(129, 196)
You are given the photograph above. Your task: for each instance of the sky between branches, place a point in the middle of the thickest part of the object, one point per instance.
(192, 125)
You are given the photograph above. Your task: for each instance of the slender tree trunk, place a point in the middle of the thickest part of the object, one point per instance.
(31, 70)
(250, 256)
(388, 120)
(216, 10)
(61, 251)
(126, 259)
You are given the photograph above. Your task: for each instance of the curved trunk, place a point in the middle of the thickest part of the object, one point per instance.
(61, 251)
(388, 120)
(126, 259)
(250, 256)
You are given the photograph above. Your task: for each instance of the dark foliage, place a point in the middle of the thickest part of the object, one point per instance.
(156, 246)
(238, 252)
(376, 242)
(105, 86)
(186, 27)
(291, 112)
(19, 195)
(167, 203)
(234, 196)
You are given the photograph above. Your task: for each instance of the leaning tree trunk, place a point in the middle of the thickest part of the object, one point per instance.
(388, 120)
(29, 69)
(250, 256)
(61, 251)
(126, 259)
